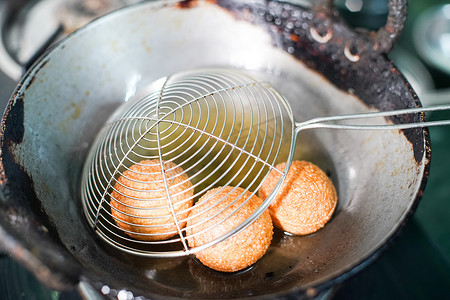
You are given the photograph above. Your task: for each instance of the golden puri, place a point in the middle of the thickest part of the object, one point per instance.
(306, 200)
(240, 250)
(140, 204)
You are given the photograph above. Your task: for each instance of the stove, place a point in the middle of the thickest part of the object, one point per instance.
(28, 28)
(416, 265)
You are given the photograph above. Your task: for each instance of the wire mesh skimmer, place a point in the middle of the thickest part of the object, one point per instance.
(193, 131)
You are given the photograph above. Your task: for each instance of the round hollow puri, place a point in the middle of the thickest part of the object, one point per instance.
(239, 251)
(139, 202)
(306, 200)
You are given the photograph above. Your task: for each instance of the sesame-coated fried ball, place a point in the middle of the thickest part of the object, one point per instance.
(306, 200)
(240, 250)
(139, 201)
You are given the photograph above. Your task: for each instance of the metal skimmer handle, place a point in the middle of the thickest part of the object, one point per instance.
(330, 122)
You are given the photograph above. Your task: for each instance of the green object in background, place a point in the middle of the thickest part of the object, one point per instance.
(18, 283)
(412, 268)
(433, 213)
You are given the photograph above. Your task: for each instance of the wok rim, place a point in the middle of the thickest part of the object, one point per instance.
(315, 288)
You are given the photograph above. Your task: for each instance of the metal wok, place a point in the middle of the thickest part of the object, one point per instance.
(308, 54)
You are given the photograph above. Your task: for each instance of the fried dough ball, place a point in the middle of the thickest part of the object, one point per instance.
(240, 250)
(306, 200)
(139, 202)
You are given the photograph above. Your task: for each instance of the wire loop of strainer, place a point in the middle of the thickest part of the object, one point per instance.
(222, 128)
(208, 123)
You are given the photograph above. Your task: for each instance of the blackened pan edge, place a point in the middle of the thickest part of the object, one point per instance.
(349, 60)
(36, 242)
